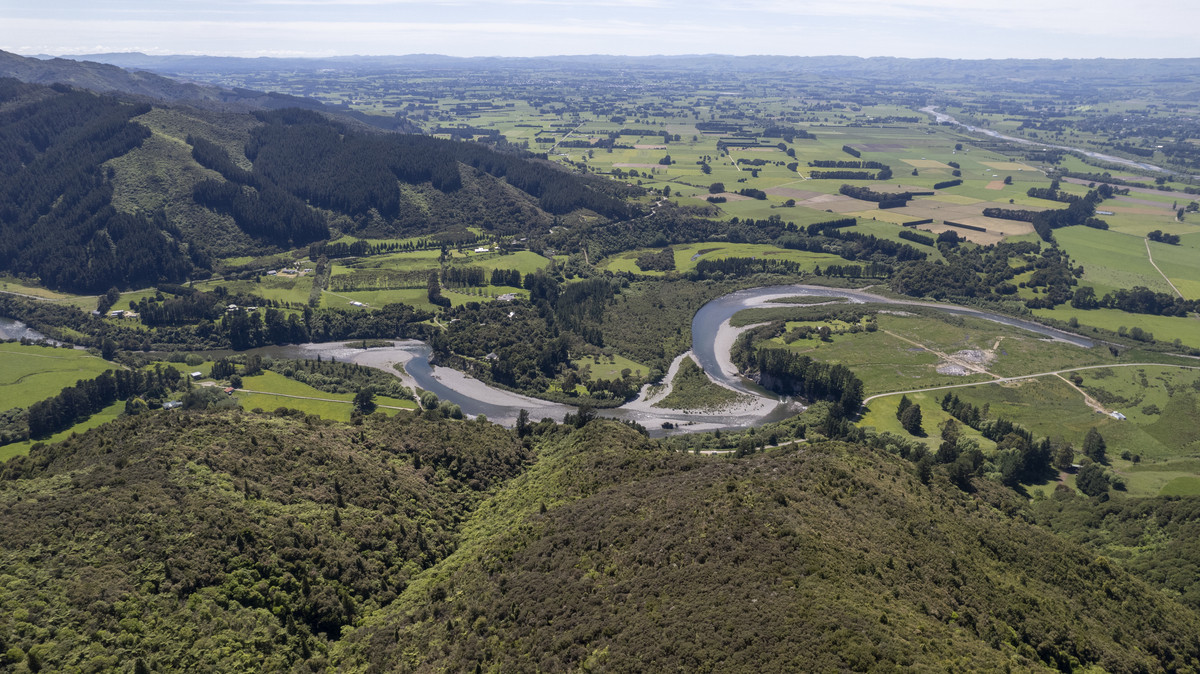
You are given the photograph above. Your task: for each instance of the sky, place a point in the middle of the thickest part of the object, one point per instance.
(969, 29)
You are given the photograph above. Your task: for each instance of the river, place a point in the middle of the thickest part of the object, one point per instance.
(943, 117)
(712, 336)
(14, 329)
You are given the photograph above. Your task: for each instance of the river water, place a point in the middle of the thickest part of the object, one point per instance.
(711, 339)
(14, 329)
(943, 117)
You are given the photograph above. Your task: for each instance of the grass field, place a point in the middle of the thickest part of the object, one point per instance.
(1111, 260)
(270, 390)
(102, 417)
(688, 255)
(881, 416)
(903, 354)
(610, 367)
(1167, 442)
(1164, 328)
(32, 373)
(1181, 263)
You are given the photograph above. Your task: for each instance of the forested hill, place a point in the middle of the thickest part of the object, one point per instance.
(413, 544)
(97, 191)
(57, 221)
(110, 79)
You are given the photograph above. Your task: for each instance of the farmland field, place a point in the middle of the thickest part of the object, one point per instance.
(32, 373)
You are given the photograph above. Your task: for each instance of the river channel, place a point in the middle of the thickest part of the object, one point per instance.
(943, 117)
(712, 336)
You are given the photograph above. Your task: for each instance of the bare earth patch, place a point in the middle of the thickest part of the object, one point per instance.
(925, 163)
(836, 203)
(981, 238)
(791, 193)
(649, 147)
(1007, 166)
(1144, 202)
(995, 185)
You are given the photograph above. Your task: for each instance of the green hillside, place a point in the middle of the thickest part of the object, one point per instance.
(405, 544)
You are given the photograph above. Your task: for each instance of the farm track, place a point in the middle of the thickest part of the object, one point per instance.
(1160, 272)
(961, 362)
(1005, 380)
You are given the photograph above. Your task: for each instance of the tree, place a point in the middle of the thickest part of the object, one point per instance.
(716, 188)
(364, 400)
(951, 430)
(958, 147)
(960, 473)
(911, 420)
(429, 400)
(925, 469)
(904, 404)
(1094, 446)
(1007, 180)
(947, 452)
(1064, 456)
(1092, 480)
(523, 427)
(108, 299)
(108, 349)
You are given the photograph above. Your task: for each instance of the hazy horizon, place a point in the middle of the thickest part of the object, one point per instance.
(533, 28)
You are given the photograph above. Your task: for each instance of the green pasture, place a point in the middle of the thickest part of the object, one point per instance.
(11, 284)
(608, 366)
(881, 416)
(686, 256)
(1181, 263)
(270, 390)
(883, 362)
(32, 373)
(900, 354)
(1166, 442)
(102, 417)
(1164, 328)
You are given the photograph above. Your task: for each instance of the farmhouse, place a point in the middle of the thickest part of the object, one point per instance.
(196, 375)
(172, 404)
(1118, 416)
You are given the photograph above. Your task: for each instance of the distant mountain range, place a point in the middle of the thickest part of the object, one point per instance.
(929, 69)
